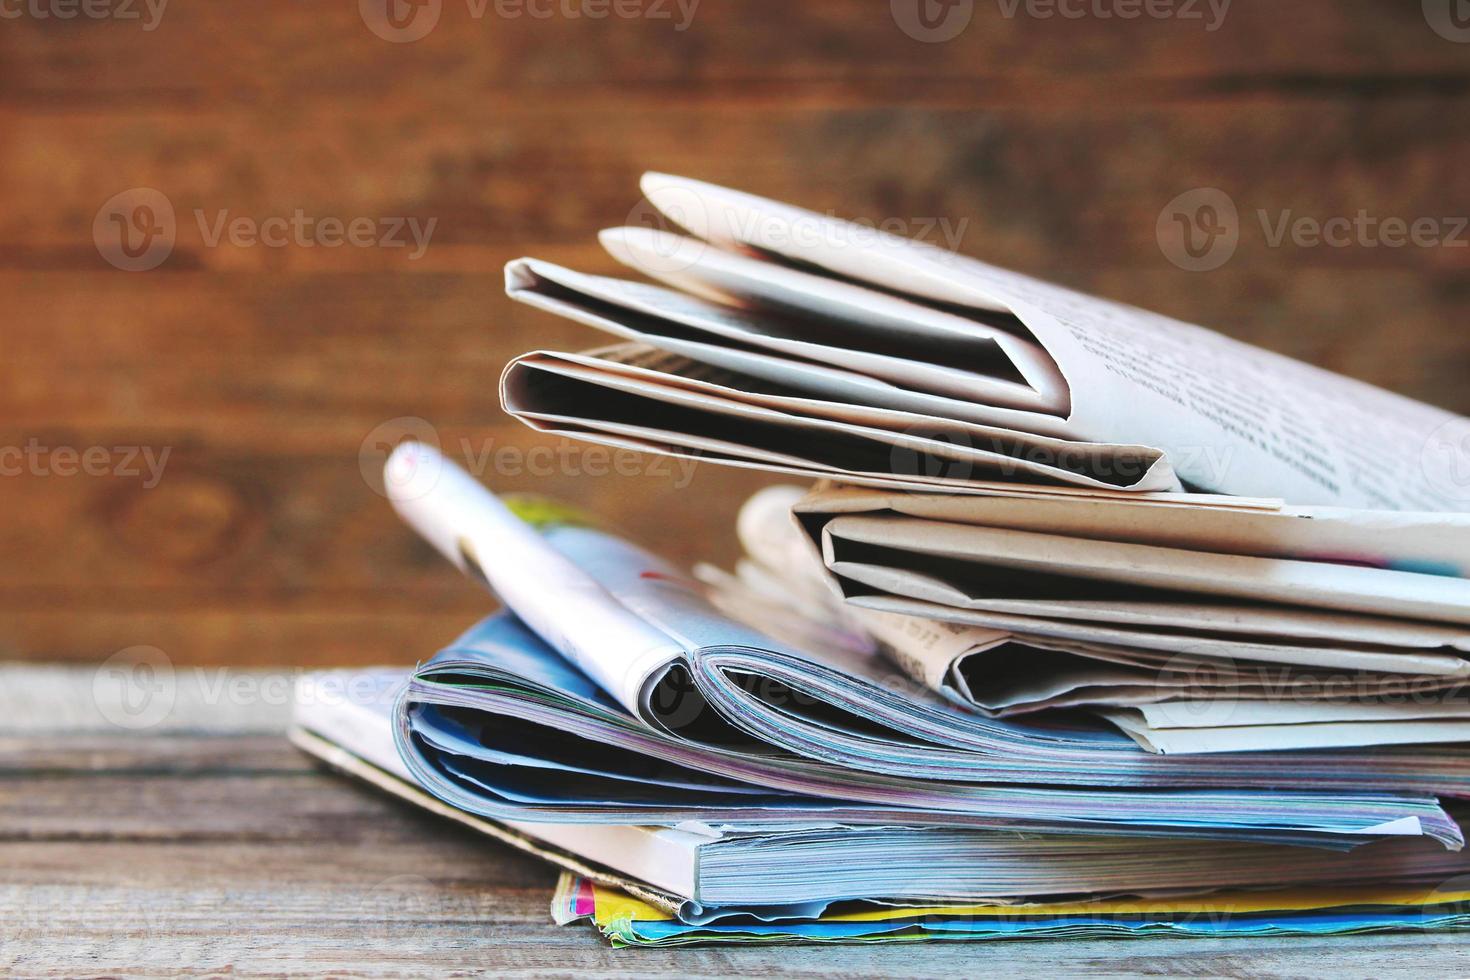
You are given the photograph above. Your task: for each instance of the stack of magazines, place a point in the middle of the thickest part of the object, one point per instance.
(1091, 623)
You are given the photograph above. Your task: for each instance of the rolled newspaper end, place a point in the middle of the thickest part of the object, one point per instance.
(564, 605)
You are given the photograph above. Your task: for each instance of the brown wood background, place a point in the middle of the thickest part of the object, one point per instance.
(263, 370)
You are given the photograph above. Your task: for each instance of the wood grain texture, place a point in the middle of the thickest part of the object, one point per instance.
(1048, 144)
(207, 845)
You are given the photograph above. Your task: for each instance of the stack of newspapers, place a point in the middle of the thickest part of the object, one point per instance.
(1086, 623)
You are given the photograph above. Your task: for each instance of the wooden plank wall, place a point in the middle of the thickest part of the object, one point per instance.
(1051, 144)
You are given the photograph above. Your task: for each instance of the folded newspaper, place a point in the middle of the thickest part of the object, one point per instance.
(696, 828)
(702, 874)
(622, 678)
(1034, 499)
(1193, 629)
(792, 341)
(1084, 603)
(627, 920)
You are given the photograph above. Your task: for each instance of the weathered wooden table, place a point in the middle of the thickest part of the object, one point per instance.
(185, 835)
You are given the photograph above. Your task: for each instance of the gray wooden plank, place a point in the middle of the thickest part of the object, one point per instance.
(140, 692)
(205, 845)
(102, 754)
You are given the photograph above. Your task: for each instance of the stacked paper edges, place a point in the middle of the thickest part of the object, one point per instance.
(1089, 609)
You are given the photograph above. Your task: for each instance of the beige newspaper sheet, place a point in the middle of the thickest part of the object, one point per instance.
(998, 369)
(664, 402)
(1005, 674)
(1232, 418)
(1266, 738)
(892, 570)
(1438, 543)
(1343, 658)
(1320, 585)
(1207, 714)
(1386, 539)
(761, 360)
(1403, 683)
(741, 343)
